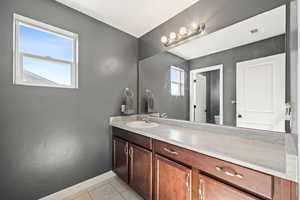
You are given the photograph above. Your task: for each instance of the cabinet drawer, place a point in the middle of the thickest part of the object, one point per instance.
(215, 190)
(133, 138)
(251, 180)
(248, 179)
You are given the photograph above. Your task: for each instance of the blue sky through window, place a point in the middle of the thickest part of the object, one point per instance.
(58, 73)
(41, 43)
(175, 75)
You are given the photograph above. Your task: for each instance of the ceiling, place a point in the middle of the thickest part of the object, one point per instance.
(268, 24)
(135, 17)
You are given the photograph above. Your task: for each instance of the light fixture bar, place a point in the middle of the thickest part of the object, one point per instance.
(183, 34)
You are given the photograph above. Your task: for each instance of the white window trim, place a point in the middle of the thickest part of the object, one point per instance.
(181, 82)
(21, 20)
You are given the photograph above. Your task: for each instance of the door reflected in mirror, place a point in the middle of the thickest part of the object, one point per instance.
(206, 95)
(236, 76)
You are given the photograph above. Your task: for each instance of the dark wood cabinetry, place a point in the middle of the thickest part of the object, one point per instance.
(210, 189)
(161, 171)
(172, 181)
(120, 158)
(140, 171)
(133, 138)
(248, 179)
(132, 161)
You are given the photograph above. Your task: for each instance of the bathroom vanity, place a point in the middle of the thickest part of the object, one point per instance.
(181, 160)
(227, 95)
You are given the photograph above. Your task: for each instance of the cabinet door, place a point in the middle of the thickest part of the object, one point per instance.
(120, 158)
(172, 181)
(140, 171)
(210, 189)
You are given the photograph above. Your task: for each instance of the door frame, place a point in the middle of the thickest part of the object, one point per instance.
(192, 88)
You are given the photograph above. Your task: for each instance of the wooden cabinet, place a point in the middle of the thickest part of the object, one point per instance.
(138, 160)
(248, 179)
(120, 158)
(133, 164)
(210, 189)
(133, 138)
(140, 171)
(172, 181)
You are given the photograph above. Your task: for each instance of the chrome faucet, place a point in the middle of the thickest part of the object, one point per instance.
(146, 120)
(163, 115)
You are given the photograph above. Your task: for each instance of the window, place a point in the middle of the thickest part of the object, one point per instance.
(44, 55)
(177, 81)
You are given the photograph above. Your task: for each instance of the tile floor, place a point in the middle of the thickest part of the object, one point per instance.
(111, 189)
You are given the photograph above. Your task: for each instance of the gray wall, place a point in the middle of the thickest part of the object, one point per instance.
(216, 14)
(154, 74)
(53, 138)
(229, 58)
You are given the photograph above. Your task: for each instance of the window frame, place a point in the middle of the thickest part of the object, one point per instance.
(19, 20)
(180, 83)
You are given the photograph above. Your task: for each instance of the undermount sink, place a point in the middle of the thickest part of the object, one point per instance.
(142, 124)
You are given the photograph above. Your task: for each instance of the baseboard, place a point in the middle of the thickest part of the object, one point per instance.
(79, 187)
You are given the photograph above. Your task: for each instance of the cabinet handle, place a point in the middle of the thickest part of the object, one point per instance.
(170, 151)
(114, 154)
(201, 190)
(229, 172)
(188, 179)
(131, 152)
(131, 163)
(126, 149)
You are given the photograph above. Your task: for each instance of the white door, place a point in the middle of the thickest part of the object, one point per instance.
(261, 93)
(200, 94)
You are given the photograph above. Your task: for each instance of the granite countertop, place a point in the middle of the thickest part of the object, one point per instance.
(268, 152)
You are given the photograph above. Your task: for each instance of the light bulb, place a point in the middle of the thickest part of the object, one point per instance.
(164, 39)
(173, 36)
(194, 26)
(183, 31)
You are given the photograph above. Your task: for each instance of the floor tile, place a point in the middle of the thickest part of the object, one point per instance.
(119, 185)
(105, 182)
(131, 195)
(84, 196)
(110, 189)
(105, 192)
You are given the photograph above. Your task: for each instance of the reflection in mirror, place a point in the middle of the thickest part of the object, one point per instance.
(206, 92)
(128, 101)
(149, 101)
(166, 75)
(235, 76)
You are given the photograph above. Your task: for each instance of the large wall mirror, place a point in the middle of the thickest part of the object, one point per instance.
(236, 76)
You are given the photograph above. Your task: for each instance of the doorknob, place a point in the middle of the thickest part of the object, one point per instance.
(240, 116)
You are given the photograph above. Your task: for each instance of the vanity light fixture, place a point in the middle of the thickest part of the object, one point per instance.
(172, 36)
(194, 26)
(183, 31)
(164, 39)
(183, 34)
